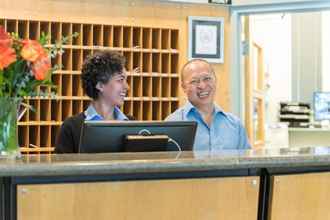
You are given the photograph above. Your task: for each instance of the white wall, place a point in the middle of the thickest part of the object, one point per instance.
(306, 53)
(273, 34)
(326, 51)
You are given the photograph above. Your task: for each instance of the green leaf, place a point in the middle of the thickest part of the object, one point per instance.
(1, 83)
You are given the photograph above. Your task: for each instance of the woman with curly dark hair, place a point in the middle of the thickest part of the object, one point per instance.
(104, 80)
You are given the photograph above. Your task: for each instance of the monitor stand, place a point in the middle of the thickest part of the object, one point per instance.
(145, 143)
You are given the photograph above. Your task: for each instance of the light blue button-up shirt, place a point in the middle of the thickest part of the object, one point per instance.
(92, 115)
(226, 130)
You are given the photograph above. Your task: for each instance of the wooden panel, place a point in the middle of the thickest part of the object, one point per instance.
(212, 198)
(301, 197)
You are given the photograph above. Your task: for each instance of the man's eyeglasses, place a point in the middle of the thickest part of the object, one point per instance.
(205, 79)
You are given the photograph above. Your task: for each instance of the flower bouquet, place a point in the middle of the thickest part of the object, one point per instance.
(24, 65)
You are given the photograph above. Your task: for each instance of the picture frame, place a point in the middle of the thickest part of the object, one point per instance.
(206, 38)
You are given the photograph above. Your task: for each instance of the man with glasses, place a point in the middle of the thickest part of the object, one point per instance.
(216, 129)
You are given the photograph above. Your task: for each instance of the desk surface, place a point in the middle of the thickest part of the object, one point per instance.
(92, 164)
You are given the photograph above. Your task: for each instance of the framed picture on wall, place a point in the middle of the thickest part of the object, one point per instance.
(206, 38)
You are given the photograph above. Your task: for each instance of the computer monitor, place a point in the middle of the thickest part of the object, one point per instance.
(321, 106)
(134, 136)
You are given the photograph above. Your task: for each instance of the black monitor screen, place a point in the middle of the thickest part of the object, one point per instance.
(133, 136)
(321, 106)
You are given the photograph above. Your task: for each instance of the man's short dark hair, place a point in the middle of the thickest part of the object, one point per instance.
(100, 67)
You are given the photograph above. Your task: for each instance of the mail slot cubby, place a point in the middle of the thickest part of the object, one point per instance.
(127, 37)
(174, 87)
(156, 87)
(57, 81)
(3, 23)
(45, 111)
(156, 63)
(66, 85)
(23, 135)
(137, 110)
(156, 39)
(12, 26)
(175, 39)
(117, 36)
(129, 60)
(34, 136)
(56, 32)
(57, 62)
(56, 110)
(45, 136)
(147, 111)
(67, 59)
(146, 62)
(165, 87)
(147, 89)
(67, 32)
(23, 29)
(137, 37)
(165, 66)
(66, 109)
(166, 109)
(152, 63)
(107, 36)
(137, 57)
(137, 86)
(174, 63)
(54, 133)
(34, 30)
(77, 59)
(156, 110)
(165, 39)
(77, 28)
(87, 35)
(34, 111)
(77, 89)
(146, 38)
(97, 35)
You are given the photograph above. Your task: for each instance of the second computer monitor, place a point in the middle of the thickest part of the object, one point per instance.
(321, 106)
(132, 136)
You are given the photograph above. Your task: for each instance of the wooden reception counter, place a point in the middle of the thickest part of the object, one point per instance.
(253, 184)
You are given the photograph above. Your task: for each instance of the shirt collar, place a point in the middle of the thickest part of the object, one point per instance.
(188, 107)
(92, 115)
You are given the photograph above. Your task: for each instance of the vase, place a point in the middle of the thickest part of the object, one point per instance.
(8, 127)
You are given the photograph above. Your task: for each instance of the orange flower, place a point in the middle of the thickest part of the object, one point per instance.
(31, 50)
(5, 40)
(7, 56)
(41, 67)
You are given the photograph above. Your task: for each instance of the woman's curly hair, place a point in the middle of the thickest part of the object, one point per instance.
(100, 67)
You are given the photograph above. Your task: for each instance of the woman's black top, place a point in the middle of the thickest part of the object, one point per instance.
(68, 138)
